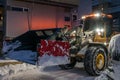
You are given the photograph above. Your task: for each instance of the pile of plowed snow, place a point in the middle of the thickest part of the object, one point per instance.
(6, 71)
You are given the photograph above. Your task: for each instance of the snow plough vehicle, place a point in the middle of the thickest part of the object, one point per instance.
(85, 43)
(88, 43)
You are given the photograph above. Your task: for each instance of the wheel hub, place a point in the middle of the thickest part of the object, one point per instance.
(100, 61)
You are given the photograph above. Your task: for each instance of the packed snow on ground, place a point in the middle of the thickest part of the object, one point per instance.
(47, 60)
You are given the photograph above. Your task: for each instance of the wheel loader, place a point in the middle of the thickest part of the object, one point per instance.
(88, 43)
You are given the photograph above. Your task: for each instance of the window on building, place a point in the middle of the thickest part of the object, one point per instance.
(66, 18)
(74, 17)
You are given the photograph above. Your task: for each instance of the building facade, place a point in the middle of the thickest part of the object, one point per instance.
(109, 7)
(19, 16)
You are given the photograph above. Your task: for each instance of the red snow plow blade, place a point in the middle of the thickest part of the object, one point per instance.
(53, 52)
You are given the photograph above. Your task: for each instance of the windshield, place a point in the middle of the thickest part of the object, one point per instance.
(93, 23)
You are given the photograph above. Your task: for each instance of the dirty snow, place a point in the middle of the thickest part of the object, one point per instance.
(29, 72)
(6, 71)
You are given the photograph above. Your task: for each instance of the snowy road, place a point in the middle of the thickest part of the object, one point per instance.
(52, 73)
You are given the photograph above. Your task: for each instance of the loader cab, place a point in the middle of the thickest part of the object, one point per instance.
(99, 24)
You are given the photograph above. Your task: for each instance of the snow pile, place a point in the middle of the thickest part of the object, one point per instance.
(58, 54)
(106, 75)
(102, 77)
(114, 49)
(10, 46)
(114, 46)
(116, 68)
(47, 60)
(8, 70)
(22, 55)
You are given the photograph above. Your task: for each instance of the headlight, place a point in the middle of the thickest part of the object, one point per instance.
(74, 32)
(97, 15)
(105, 43)
(102, 30)
(99, 31)
(83, 17)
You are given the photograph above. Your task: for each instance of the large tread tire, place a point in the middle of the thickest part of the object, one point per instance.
(70, 65)
(90, 62)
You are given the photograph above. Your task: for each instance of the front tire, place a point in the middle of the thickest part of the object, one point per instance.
(95, 60)
(70, 65)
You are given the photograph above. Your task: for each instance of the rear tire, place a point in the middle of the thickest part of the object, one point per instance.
(95, 60)
(70, 65)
